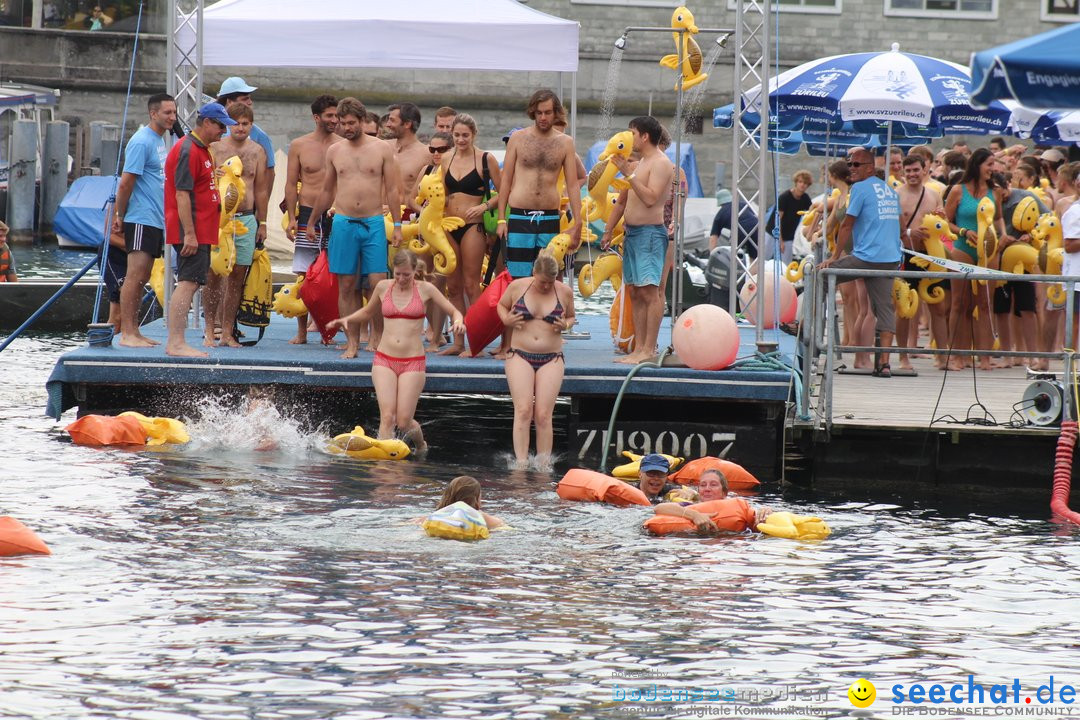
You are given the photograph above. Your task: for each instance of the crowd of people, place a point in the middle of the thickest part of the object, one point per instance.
(342, 178)
(880, 209)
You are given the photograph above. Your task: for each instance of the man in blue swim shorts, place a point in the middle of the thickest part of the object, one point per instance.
(645, 239)
(360, 172)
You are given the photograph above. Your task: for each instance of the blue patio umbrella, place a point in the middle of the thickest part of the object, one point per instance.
(914, 90)
(1039, 71)
(1056, 126)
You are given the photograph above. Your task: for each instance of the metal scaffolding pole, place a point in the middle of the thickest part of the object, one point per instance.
(750, 145)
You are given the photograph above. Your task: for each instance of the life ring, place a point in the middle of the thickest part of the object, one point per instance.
(17, 539)
(457, 521)
(738, 477)
(730, 514)
(589, 486)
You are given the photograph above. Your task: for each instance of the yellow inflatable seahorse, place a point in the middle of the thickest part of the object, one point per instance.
(433, 225)
(630, 469)
(602, 176)
(287, 302)
(987, 241)
(905, 298)
(357, 444)
(796, 269)
(410, 237)
(231, 191)
(1047, 238)
(938, 231)
(606, 267)
(690, 63)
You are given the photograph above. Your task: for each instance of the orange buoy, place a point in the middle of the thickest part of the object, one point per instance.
(17, 539)
(99, 430)
(731, 514)
(589, 486)
(738, 477)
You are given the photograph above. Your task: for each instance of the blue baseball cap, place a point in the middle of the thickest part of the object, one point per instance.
(235, 85)
(214, 111)
(654, 463)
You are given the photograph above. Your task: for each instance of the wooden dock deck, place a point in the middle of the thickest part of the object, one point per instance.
(671, 409)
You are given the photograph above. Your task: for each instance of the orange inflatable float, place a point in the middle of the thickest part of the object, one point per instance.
(730, 514)
(17, 539)
(101, 430)
(589, 486)
(738, 477)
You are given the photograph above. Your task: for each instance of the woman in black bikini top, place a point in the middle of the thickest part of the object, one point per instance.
(463, 175)
(534, 368)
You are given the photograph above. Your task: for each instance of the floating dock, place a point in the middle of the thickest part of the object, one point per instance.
(738, 414)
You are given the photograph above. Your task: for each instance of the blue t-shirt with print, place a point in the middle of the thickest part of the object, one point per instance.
(144, 157)
(876, 209)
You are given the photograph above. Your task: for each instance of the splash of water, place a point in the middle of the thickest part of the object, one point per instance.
(611, 89)
(692, 101)
(254, 424)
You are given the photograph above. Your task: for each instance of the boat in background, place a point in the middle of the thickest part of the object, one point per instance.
(82, 218)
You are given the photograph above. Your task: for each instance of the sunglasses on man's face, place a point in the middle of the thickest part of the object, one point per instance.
(434, 150)
(852, 163)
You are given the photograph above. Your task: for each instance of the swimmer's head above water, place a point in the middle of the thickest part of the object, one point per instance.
(463, 488)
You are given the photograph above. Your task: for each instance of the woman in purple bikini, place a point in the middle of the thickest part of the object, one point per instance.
(538, 308)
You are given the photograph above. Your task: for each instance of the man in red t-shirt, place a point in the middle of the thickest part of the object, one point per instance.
(192, 212)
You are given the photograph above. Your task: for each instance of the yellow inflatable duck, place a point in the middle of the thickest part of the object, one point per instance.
(809, 216)
(629, 471)
(161, 430)
(1042, 191)
(794, 527)
(607, 266)
(1047, 238)
(894, 183)
(287, 302)
(905, 298)
(602, 176)
(231, 191)
(987, 242)
(433, 225)
(938, 231)
(690, 63)
(357, 444)
(797, 268)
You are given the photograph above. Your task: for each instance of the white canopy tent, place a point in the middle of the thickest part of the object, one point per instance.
(419, 34)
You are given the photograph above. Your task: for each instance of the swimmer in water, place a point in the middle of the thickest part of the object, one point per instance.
(466, 488)
(260, 401)
(712, 485)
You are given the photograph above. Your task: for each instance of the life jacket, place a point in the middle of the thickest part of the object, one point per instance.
(738, 477)
(99, 430)
(5, 262)
(589, 486)
(730, 514)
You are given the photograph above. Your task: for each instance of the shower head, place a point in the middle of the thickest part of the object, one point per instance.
(621, 42)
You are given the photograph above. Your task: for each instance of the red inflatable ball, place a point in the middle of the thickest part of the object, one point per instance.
(706, 337)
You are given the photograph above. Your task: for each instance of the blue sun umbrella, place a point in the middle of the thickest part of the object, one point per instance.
(914, 90)
(1041, 71)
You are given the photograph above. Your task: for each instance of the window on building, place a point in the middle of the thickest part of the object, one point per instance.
(93, 15)
(1061, 10)
(975, 9)
(808, 6)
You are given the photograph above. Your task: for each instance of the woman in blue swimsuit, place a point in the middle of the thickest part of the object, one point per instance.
(961, 207)
(538, 308)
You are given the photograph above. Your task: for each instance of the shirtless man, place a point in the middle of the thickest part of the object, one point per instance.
(534, 157)
(916, 200)
(307, 166)
(645, 236)
(221, 299)
(402, 122)
(370, 124)
(360, 172)
(444, 119)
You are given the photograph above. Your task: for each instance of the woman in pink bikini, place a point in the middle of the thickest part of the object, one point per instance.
(399, 368)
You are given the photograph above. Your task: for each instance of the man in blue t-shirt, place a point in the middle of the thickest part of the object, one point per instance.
(870, 233)
(140, 211)
(235, 90)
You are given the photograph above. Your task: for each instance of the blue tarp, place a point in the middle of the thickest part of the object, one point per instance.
(81, 215)
(1041, 71)
(689, 164)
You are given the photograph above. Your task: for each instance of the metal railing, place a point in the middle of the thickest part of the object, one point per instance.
(820, 326)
